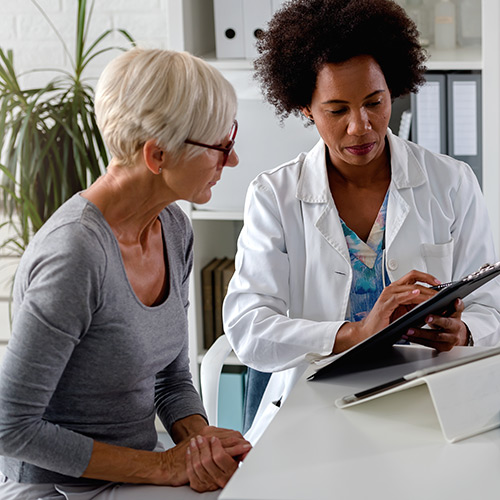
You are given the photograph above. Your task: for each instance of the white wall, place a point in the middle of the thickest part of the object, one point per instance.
(24, 30)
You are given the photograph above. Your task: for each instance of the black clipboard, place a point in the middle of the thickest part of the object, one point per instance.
(441, 304)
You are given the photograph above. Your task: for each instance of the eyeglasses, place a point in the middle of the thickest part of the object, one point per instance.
(226, 150)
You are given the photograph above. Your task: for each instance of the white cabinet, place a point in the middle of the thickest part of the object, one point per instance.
(190, 27)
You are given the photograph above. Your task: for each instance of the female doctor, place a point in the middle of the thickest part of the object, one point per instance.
(340, 241)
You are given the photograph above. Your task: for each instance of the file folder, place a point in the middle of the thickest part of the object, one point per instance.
(229, 29)
(256, 15)
(464, 120)
(429, 114)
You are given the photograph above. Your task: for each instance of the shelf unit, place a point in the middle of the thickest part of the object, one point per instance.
(216, 234)
(190, 27)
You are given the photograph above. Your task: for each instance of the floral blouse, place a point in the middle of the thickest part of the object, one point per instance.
(367, 262)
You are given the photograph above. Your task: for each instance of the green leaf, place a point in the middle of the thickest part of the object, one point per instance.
(94, 45)
(54, 29)
(49, 140)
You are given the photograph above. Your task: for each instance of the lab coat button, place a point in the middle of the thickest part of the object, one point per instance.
(392, 264)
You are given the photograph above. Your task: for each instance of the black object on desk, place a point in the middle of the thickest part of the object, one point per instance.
(441, 304)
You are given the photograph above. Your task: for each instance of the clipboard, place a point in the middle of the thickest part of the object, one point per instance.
(441, 304)
(465, 393)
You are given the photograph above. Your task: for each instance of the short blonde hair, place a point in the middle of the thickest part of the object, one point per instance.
(164, 95)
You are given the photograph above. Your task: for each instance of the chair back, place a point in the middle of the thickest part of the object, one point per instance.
(210, 371)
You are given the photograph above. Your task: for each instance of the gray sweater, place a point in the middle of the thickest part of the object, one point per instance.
(87, 360)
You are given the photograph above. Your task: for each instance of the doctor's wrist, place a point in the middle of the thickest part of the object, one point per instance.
(348, 335)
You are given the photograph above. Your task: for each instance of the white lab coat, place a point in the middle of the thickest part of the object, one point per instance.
(290, 292)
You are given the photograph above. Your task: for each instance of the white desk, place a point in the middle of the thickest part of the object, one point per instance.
(391, 448)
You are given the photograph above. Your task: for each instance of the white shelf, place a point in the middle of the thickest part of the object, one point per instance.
(460, 59)
(215, 215)
(228, 64)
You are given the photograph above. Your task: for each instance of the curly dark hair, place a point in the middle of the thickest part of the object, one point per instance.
(306, 34)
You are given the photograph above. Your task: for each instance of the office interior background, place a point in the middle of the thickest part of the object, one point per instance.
(223, 31)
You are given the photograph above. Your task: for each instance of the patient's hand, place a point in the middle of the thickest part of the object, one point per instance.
(209, 465)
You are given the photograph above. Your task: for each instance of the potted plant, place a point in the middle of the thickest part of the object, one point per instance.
(50, 145)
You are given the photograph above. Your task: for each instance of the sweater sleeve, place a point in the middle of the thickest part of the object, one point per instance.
(55, 294)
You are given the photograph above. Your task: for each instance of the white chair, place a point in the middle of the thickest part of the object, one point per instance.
(210, 371)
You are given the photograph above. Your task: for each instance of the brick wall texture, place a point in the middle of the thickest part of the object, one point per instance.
(24, 30)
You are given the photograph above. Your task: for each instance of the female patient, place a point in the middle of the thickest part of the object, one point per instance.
(99, 341)
(345, 238)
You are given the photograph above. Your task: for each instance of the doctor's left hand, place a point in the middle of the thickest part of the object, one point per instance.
(443, 333)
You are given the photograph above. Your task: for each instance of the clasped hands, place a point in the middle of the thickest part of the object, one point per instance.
(443, 333)
(206, 460)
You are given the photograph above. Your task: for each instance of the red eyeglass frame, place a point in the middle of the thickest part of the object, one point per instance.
(226, 150)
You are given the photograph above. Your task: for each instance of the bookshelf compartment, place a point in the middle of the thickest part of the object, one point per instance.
(213, 239)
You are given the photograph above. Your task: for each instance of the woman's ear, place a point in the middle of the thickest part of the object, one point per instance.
(154, 156)
(306, 111)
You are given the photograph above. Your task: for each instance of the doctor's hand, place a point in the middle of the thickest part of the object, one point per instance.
(443, 333)
(394, 301)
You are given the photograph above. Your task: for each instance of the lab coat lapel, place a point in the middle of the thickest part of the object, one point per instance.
(406, 172)
(328, 224)
(314, 192)
(397, 211)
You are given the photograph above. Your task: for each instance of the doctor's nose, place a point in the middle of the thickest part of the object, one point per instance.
(359, 123)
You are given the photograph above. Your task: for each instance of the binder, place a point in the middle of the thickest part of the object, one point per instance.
(207, 287)
(218, 298)
(229, 29)
(227, 274)
(465, 393)
(447, 117)
(464, 119)
(429, 114)
(405, 125)
(256, 15)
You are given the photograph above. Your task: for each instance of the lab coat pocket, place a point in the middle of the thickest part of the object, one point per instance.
(439, 259)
